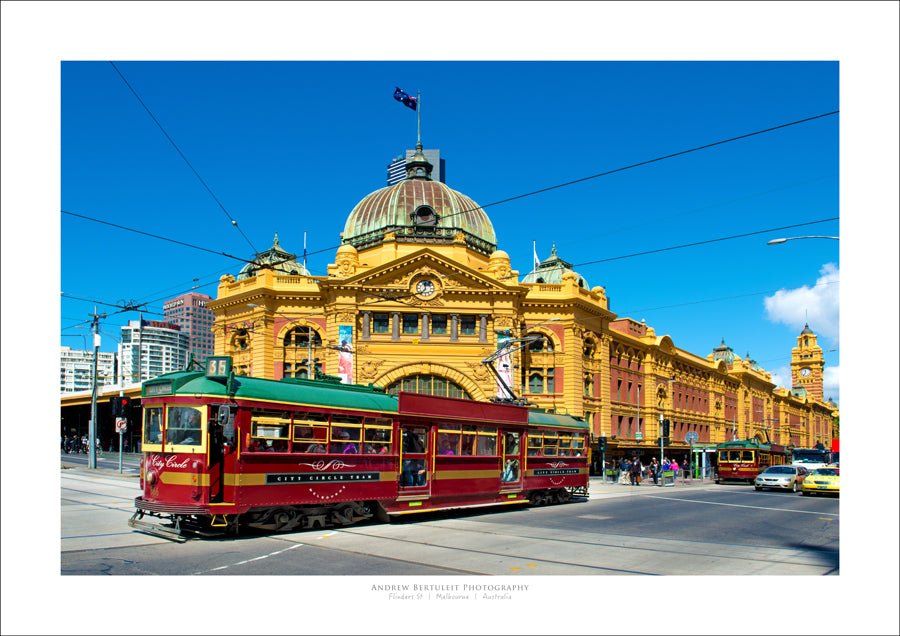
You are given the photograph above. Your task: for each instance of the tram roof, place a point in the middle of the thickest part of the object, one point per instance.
(291, 391)
(538, 417)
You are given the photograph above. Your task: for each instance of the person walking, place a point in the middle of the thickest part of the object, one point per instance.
(654, 471)
(635, 471)
(673, 466)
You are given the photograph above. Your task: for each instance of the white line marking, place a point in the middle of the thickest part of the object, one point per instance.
(265, 556)
(713, 503)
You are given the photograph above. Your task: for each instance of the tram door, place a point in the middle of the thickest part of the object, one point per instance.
(414, 458)
(221, 453)
(511, 466)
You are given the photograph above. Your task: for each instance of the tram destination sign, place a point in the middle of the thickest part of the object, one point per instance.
(540, 472)
(320, 478)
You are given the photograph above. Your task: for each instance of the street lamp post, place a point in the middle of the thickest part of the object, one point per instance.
(779, 241)
(661, 440)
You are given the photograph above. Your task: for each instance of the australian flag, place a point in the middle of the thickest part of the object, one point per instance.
(400, 96)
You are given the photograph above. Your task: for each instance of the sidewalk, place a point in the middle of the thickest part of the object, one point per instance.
(597, 484)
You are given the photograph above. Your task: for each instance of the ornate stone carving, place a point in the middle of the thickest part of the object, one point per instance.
(502, 322)
(478, 371)
(346, 317)
(369, 368)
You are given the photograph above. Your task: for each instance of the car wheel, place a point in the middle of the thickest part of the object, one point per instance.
(757, 488)
(794, 487)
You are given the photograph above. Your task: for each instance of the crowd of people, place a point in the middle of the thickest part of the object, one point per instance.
(632, 471)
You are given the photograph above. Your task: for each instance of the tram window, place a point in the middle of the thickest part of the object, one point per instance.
(271, 424)
(468, 440)
(535, 443)
(487, 440)
(578, 444)
(550, 444)
(184, 426)
(565, 445)
(346, 434)
(377, 436)
(449, 437)
(747, 456)
(153, 425)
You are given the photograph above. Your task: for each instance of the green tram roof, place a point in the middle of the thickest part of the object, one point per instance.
(318, 393)
(538, 417)
(290, 391)
(745, 443)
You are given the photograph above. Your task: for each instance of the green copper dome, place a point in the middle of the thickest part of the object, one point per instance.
(419, 210)
(280, 261)
(551, 271)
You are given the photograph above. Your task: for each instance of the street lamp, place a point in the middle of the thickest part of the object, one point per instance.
(779, 241)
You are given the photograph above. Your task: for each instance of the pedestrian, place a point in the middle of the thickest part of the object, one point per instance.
(673, 466)
(654, 471)
(635, 471)
(687, 468)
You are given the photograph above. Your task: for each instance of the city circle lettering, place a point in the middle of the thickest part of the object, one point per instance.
(168, 462)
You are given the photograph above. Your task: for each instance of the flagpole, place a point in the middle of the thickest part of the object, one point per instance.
(419, 117)
(304, 251)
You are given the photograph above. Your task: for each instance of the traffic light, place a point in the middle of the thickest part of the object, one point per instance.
(666, 426)
(121, 406)
(601, 444)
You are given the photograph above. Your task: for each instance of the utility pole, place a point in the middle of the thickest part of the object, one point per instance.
(92, 428)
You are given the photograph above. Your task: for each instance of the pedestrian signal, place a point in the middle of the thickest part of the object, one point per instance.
(666, 426)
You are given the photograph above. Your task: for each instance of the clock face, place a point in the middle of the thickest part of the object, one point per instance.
(805, 372)
(425, 288)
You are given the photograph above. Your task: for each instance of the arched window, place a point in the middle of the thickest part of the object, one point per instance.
(429, 385)
(539, 346)
(299, 337)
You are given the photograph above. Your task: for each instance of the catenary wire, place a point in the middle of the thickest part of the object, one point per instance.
(174, 145)
(609, 172)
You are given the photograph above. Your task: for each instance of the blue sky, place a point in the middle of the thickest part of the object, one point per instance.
(291, 147)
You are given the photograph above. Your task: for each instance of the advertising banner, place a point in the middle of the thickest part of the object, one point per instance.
(345, 354)
(504, 368)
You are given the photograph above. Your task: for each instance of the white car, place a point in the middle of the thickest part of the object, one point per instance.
(781, 477)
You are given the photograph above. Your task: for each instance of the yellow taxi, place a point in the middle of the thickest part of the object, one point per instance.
(823, 480)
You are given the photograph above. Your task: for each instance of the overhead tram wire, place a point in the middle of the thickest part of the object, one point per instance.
(122, 227)
(174, 145)
(609, 172)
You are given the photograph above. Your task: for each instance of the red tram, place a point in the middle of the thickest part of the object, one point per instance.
(743, 460)
(224, 452)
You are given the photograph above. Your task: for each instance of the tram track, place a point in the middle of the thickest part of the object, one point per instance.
(742, 553)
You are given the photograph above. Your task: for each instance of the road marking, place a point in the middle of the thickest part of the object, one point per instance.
(265, 556)
(714, 503)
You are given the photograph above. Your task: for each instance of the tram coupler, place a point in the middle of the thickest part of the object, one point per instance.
(155, 529)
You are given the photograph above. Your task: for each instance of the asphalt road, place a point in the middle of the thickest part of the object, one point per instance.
(704, 529)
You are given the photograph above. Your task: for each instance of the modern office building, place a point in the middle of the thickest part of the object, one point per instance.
(76, 369)
(150, 348)
(189, 312)
(396, 171)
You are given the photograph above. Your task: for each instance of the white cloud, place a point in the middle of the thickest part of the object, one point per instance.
(817, 305)
(831, 384)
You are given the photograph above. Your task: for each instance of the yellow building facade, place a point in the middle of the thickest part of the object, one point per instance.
(419, 295)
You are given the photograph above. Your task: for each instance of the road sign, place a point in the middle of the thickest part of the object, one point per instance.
(121, 425)
(638, 435)
(691, 437)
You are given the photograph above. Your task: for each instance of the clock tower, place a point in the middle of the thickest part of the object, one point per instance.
(808, 365)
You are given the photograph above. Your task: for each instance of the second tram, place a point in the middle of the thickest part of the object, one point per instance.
(743, 460)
